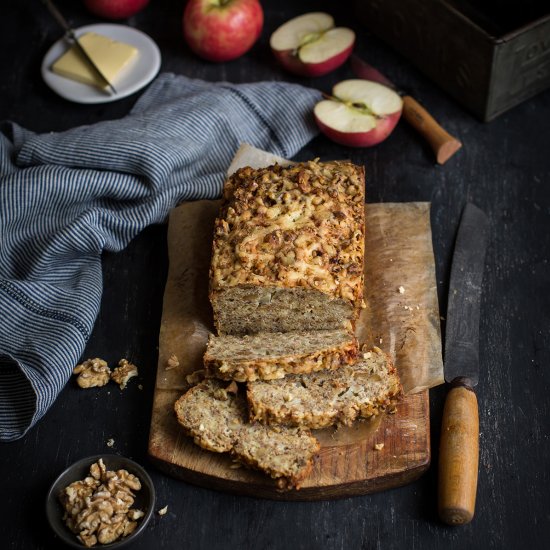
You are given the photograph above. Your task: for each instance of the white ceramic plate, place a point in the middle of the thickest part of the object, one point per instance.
(138, 75)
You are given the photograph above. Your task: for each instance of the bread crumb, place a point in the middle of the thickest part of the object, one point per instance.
(232, 388)
(163, 511)
(140, 386)
(367, 355)
(110, 442)
(378, 446)
(172, 362)
(380, 340)
(195, 377)
(401, 290)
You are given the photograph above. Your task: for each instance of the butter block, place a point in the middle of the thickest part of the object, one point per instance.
(109, 55)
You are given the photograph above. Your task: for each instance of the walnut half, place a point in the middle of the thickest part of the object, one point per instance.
(123, 373)
(92, 373)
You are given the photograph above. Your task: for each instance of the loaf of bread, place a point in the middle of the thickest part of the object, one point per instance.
(217, 419)
(271, 355)
(323, 399)
(288, 249)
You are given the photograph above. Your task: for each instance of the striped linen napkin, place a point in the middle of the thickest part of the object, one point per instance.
(66, 197)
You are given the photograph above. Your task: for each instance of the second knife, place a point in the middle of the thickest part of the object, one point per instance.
(443, 144)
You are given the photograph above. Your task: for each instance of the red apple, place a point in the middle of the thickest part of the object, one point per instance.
(115, 9)
(221, 30)
(360, 113)
(310, 45)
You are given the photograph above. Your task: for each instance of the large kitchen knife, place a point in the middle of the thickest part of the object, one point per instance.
(443, 144)
(459, 446)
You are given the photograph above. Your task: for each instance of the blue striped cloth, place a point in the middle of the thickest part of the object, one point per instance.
(66, 197)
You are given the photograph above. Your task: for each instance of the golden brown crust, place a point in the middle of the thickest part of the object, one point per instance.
(292, 227)
(274, 355)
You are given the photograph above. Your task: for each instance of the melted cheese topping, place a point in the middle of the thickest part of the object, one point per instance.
(301, 226)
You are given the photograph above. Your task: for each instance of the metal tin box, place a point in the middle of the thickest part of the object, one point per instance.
(489, 55)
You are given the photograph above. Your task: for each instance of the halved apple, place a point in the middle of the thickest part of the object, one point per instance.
(360, 113)
(310, 45)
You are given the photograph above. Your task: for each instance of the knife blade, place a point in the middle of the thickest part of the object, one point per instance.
(71, 36)
(459, 445)
(444, 145)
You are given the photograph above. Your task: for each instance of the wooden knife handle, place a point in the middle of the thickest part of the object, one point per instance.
(443, 144)
(459, 456)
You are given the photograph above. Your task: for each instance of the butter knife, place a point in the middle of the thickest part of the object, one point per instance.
(71, 36)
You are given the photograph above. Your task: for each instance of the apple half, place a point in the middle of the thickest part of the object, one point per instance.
(360, 113)
(310, 45)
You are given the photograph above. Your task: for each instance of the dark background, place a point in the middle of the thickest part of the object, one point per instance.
(504, 167)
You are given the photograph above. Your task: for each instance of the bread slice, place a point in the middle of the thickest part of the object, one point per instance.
(288, 249)
(217, 419)
(266, 356)
(211, 415)
(323, 399)
(286, 454)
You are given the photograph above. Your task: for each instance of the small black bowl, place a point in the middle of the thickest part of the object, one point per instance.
(144, 500)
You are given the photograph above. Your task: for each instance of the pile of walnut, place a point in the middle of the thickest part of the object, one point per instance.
(99, 507)
(95, 372)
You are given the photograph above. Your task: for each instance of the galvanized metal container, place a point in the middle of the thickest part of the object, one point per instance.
(489, 55)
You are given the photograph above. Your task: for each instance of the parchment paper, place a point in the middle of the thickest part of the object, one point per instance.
(398, 254)
(402, 314)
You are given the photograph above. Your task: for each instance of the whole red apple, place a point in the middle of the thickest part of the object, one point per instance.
(221, 30)
(115, 9)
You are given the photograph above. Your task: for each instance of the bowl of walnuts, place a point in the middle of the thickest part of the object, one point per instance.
(104, 501)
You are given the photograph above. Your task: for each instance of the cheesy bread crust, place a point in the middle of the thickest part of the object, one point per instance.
(295, 228)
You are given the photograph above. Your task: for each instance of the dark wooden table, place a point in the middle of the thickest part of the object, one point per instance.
(504, 168)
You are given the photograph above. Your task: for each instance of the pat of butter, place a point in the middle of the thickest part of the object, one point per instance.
(109, 55)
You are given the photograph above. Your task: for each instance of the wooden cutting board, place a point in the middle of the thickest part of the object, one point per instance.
(341, 469)
(371, 456)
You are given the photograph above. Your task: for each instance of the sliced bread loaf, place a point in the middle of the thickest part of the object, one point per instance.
(217, 419)
(288, 249)
(266, 356)
(324, 399)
